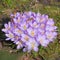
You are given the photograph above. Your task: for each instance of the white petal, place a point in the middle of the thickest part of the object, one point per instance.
(36, 49)
(12, 39)
(9, 24)
(18, 46)
(6, 35)
(17, 42)
(4, 30)
(7, 38)
(24, 50)
(5, 25)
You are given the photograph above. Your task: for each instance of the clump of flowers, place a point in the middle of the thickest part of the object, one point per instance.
(29, 30)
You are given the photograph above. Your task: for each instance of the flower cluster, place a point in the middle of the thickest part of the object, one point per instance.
(29, 30)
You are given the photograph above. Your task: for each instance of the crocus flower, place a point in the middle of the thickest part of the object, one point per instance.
(24, 26)
(29, 30)
(18, 31)
(7, 27)
(19, 44)
(51, 35)
(25, 37)
(9, 36)
(32, 45)
(17, 20)
(42, 40)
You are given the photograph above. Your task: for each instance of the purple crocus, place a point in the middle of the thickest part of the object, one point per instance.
(42, 40)
(9, 36)
(19, 44)
(32, 45)
(29, 30)
(7, 27)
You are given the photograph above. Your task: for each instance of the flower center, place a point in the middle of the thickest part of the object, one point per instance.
(18, 21)
(32, 44)
(16, 37)
(26, 38)
(49, 36)
(32, 33)
(19, 31)
(24, 27)
(41, 40)
(11, 35)
(42, 25)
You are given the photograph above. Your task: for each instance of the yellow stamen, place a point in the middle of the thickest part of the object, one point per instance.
(26, 38)
(49, 36)
(19, 31)
(11, 36)
(41, 40)
(32, 44)
(32, 33)
(25, 27)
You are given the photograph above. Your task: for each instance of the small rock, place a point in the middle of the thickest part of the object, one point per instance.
(10, 51)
